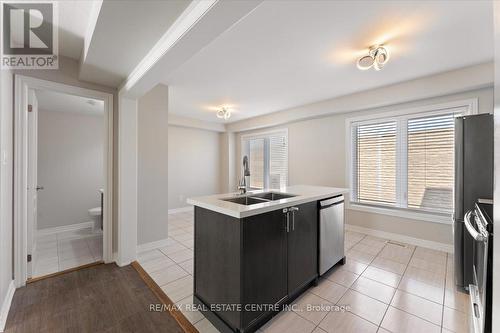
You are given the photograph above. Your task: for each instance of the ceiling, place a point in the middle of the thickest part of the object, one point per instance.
(124, 33)
(289, 53)
(59, 102)
(74, 19)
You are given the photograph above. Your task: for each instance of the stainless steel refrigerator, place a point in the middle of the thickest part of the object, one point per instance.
(473, 180)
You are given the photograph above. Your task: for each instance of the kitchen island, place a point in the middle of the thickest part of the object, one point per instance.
(256, 252)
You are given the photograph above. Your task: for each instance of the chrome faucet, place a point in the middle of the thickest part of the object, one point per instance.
(242, 185)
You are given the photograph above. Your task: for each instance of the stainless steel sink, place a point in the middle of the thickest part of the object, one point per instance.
(254, 199)
(246, 200)
(273, 196)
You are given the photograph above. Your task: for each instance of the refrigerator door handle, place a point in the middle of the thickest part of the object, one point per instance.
(470, 228)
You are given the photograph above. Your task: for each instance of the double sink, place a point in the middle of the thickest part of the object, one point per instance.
(254, 199)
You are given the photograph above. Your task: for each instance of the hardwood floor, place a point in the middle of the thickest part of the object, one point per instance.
(102, 298)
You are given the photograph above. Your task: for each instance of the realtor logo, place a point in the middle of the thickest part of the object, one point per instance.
(29, 35)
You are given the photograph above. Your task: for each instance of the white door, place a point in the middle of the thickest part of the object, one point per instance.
(33, 187)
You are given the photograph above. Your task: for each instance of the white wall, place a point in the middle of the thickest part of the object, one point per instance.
(70, 166)
(6, 175)
(152, 157)
(228, 162)
(317, 156)
(193, 164)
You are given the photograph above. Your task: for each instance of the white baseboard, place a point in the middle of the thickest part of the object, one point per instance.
(402, 238)
(152, 245)
(180, 210)
(64, 228)
(4, 312)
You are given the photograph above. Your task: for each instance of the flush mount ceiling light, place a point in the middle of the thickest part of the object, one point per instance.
(224, 113)
(377, 57)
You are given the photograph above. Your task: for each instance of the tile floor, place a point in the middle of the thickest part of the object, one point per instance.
(64, 250)
(386, 287)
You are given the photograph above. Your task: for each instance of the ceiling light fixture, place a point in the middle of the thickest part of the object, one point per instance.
(377, 57)
(223, 113)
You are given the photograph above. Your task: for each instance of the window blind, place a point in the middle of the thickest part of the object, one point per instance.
(405, 161)
(278, 161)
(268, 159)
(256, 163)
(376, 162)
(431, 162)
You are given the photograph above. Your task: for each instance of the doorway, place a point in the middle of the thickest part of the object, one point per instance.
(63, 185)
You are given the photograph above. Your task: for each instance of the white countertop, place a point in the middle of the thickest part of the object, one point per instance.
(304, 193)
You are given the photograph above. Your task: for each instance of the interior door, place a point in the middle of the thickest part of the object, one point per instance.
(302, 246)
(33, 188)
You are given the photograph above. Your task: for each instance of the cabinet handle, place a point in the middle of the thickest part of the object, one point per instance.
(285, 211)
(293, 210)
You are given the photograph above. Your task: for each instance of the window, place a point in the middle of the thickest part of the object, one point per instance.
(405, 162)
(268, 159)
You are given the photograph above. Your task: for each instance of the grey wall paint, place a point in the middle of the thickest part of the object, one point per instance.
(317, 156)
(152, 175)
(70, 166)
(6, 174)
(193, 164)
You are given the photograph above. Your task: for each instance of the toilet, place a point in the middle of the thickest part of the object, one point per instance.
(96, 217)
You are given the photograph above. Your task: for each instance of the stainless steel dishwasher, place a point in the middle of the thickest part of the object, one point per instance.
(331, 233)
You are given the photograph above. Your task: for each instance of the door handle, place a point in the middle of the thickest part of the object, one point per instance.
(38, 188)
(472, 231)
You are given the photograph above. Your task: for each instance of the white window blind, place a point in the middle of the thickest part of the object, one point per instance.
(256, 162)
(405, 162)
(268, 159)
(376, 162)
(431, 146)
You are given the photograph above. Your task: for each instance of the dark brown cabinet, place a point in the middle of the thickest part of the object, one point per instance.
(259, 263)
(264, 262)
(302, 246)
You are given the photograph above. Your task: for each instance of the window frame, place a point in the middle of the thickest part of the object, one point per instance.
(401, 116)
(264, 135)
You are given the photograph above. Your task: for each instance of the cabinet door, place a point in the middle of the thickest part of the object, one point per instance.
(302, 246)
(264, 261)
